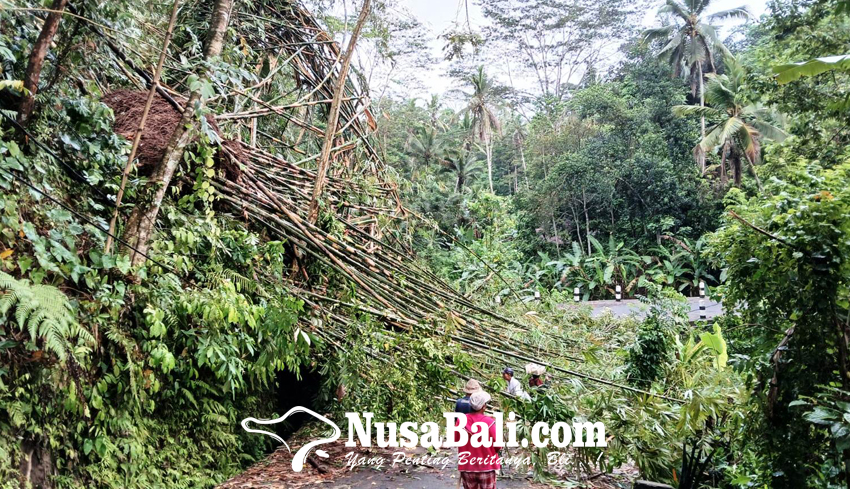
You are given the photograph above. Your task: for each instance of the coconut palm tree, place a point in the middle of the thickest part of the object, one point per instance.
(691, 40)
(741, 125)
(463, 164)
(433, 108)
(465, 131)
(484, 120)
(423, 145)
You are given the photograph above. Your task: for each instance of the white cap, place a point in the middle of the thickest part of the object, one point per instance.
(478, 400)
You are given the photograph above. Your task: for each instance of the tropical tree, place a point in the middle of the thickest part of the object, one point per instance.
(741, 125)
(465, 131)
(434, 106)
(556, 43)
(518, 138)
(37, 57)
(482, 112)
(423, 147)
(140, 226)
(692, 39)
(463, 164)
(792, 71)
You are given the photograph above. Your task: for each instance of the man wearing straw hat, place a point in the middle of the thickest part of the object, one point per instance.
(536, 372)
(462, 405)
(478, 465)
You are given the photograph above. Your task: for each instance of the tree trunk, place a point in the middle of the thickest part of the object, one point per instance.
(333, 116)
(586, 219)
(755, 174)
(488, 148)
(36, 465)
(841, 329)
(524, 167)
(736, 169)
(516, 179)
(577, 222)
(253, 138)
(701, 100)
(36, 61)
(701, 154)
(141, 223)
(141, 127)
(843, 339)
(557, 238)
(723, 178)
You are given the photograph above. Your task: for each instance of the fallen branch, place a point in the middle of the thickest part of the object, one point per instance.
(760, 230)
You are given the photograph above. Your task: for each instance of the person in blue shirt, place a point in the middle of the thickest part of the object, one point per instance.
(463, 404)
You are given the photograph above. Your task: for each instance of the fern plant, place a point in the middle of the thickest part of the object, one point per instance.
(44, 312)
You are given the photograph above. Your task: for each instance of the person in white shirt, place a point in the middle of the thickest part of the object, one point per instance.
(514, 387)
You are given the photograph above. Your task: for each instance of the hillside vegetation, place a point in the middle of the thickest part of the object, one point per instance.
(220, 209)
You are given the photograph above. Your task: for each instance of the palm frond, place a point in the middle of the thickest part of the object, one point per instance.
(721, 133)
(770, 131)
(717, 92)
(733, 13)
(677, 57)
(691, 110)
(695, 6)
(675, 8)
(748, 140)
(709, 32)
(656, 33)
(707, 39)
(697, 52)
(672, 44)
(736, 73)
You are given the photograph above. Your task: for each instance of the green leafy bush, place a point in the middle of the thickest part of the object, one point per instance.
(651, 353)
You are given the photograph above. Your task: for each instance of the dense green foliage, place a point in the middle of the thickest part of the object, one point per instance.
(137, 384)
(114, 375)
(604, 188)
(137, 376)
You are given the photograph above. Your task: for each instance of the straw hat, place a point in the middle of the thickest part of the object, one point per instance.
(534, 369)
(472, 386)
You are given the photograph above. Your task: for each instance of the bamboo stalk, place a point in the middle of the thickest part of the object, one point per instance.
(139, 130)
(121, 56)
(313, 211)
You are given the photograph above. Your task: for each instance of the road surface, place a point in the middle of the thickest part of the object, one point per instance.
(275, 472)
(635, 307)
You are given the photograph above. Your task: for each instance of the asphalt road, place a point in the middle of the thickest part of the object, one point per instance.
(634, 307)
(417, 478)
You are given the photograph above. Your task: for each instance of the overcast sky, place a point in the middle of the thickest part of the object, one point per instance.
(439, 15)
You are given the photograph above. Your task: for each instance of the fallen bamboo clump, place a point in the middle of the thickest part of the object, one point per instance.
(279, 196)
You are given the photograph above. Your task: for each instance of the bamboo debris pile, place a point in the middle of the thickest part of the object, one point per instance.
(274, 189)
(391, 285)
(311, 61)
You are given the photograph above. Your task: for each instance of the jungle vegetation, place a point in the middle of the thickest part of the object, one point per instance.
(207, 206)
